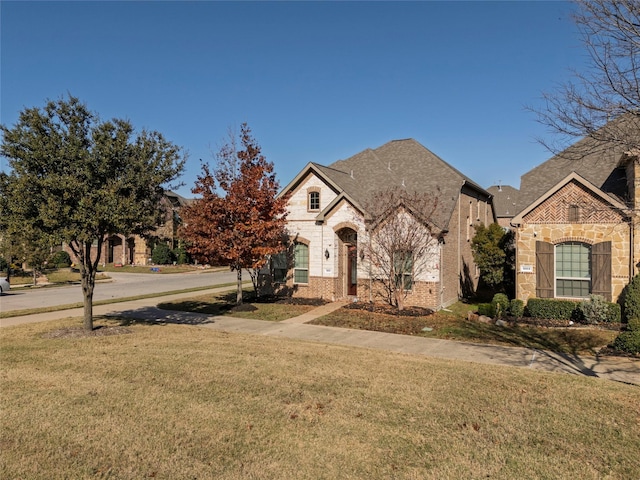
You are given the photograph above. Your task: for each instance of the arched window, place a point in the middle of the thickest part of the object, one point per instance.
(573, 269)
(279, 267)
(301, 263)
(314, 201)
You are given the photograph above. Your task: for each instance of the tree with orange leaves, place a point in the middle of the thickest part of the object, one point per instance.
(237, 220)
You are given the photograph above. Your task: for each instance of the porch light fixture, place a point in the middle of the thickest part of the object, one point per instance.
(326, 254)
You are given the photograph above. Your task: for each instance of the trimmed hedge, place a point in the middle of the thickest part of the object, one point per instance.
(615, 313)
(631, 296)
(633, 324)
(486, 309)
(554, 308)
(516, 308)
(500, 304)
(551, 308)
(628, 342)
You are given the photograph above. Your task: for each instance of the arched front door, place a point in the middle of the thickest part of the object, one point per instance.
(347, 262)
(352, 270)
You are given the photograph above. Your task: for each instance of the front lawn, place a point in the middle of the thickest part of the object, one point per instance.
(453, 325)
(177, 402)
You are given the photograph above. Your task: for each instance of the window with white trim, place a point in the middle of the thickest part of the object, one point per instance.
(313, 201)
(301, 263)
(403, 269)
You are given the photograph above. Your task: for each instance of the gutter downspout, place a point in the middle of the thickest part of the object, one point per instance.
(632, 252)
(440, 303)
(459, 240)
(322, 259)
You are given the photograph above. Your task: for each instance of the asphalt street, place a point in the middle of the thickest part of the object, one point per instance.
(121, 285)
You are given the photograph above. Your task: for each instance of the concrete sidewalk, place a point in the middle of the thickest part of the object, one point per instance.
(610, 368)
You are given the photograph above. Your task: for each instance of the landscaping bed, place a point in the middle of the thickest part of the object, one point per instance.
(454, 324)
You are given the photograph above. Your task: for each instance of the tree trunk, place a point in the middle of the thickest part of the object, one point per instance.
(399, 294)
(88, 282)
(239, 292)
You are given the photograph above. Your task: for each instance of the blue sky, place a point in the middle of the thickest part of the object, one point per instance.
(315, 81)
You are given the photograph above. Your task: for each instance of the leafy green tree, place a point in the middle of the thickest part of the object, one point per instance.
(78, 179)
(492, 251)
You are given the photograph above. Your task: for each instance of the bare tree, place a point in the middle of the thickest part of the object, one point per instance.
(609, 89)
(403, 241)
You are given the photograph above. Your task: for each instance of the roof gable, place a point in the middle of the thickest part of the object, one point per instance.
(579, 180)
(402, 163)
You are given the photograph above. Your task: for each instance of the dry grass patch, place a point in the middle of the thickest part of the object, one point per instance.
(162, 269)
(453, 326)
(176, 401)
(273, 309)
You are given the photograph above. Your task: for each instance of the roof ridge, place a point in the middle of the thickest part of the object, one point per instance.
(451, 167)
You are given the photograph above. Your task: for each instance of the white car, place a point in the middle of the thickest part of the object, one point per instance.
(4, 285)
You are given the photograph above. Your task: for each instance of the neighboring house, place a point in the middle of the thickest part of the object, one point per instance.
(135, 249)
(578, 231)
(330, 228)
(505, 203)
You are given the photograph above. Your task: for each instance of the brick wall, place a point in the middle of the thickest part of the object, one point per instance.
(460, 276)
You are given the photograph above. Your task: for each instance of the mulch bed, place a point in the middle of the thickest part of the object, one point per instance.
(272, 299)
(389, 310)
(551, 323)
(314, 302)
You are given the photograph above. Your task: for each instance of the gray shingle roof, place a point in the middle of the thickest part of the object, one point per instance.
(401, 163)
(506, 200)
(597, 161)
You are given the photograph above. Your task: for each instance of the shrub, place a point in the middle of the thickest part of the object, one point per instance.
(633, 324)
(162, 254)
(3, 263)
(500, 304)
(551, 308)
(486, 309)
(614, 313)
(628, 342)
(181, 255)
(594, 310)
(60, 259)
(631, 301)
(516, 308)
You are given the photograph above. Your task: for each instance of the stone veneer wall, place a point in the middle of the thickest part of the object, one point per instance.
(549, 223)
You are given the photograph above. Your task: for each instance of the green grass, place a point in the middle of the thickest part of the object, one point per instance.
(177, 402)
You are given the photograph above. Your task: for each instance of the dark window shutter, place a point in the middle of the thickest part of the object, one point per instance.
(545, 271)
(601, 270)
